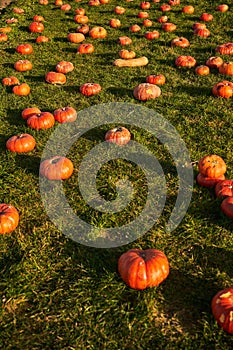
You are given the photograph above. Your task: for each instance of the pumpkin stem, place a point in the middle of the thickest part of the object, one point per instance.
(119, 129)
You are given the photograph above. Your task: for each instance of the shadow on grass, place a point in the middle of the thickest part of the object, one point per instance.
(10, 258)
(120, 92)
(29, 162)
(195, 90)
(14, 117)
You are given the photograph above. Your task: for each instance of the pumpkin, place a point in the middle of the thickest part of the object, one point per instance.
(202, 70)
(65, 7)
(38, 18)
(188, 9)
(89, 89)
(3, 37)
(21, 89)
(124, 40)
(85, 48)
(222, 8)
(5, 30)
(127, 54)
(225, 49)
(152, 35)
(94, 3)
(212, 166)
(206, 17)
(42, 39)
(18, 10)
(42, 120)
(56, 168)
(80, 11)
(24, 49)
(198, 26)
(165, 8)
(65, 114)
(132, 62)
(114, 23)
(58, 2)
(145, 5)
(227, 208)
(119, 135)
(158, 79)
(214, 62)
(36, 27)
(180, 41)
(23, 65)
(9, 81)
(162, 19)
(146, 91)
(222, 309)
(81, 19)
(64, 67)
(135, 28)
(202, 32)
(119, 10)
(98, 32)
(174, 2)
(9, 218)
(223, 89)
(147, 22)
(43, 2)
(226, 68)
(143, 14)
(21, 143)
(224, 189)
(185, 61)
(27, 112)
(141, 269)
(55, 78)
(11, 20)
(84, 29)
(75, 37)
(209, 181)
(168, 27)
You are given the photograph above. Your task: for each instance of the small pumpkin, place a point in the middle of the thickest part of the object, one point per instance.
(55, 78)
(75, 37)
(188, 9)
(64, 67)
(18, 10)
(168, 27)
(222, 8)
(124, 40)
(227, 208)
(5, 29)
(3, 37)
(21, 89)
(225, 49)
(42, 120)
(27, 112)
(127, 54)
(224, 189)
(98, 32)
(202, 70)
(202, 32)
(226, 68)
(222, 309)
(36, 27)
(114, 23)
(165, 8)
(207, 17)
(89, 89)
(9, 81)
(80, 11)
(146, 91)
(212, 166)
(162, 19)
(38, 18)
(143, 14)
(214, 62)
(24, 49)
(82, 19)
(42, 39)
(9, 218)
(223, 89)
(180, 41)
(65, 7)
(65, 114)
(144, 5)
(185, 61)
(147, 22)
(142, 269)
(56, 168)
(209, 182)
(84, 29)
(134, 28)
(158, 79)
(152, 35)
(23, 65)
(198, 25)
(119, 135)
(21, 143)
(174, 2)
(86, 48)
(119, 10)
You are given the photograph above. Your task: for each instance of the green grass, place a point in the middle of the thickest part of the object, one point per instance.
(59, 294)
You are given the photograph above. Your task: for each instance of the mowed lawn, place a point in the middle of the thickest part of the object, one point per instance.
(59, 294)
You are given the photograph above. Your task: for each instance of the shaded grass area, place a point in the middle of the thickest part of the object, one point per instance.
(59, 294)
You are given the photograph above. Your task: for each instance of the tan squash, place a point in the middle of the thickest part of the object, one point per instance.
(133, 62)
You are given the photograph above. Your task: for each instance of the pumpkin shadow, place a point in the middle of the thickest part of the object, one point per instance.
(24, 29)
(61, 40)
(120, 92)
(195, 90)
(14, 117)
(36, 78)
(29, 162)
(10, 51)
(10, 258)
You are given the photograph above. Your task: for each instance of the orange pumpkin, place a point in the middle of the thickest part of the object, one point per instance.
(180, 41)
(9, 218)
(127, 54)
(119, 135)
(202, 32)
(202, 70)
(188, 9)
(158, 79)
(27, 112)
(223, 89)
(3, 37)
(42, 120)
(212, 166)
(185, 61)
(25, 49)
(64, 67)
(98, 32)
(36, 27)
(226, 68)
(225, 49)
(85, 48)
(146, 91)
(56, 168)
(141, 269)
(75, 37)
(89, 89)
(168, 27)
(65, 114)
(214, 62)
(21, 143)
(9, 81)
(21, 89)
(124, 40)
(23, 65)
(55, 78)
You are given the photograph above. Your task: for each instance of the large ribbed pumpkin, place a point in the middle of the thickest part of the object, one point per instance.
(141, 269)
